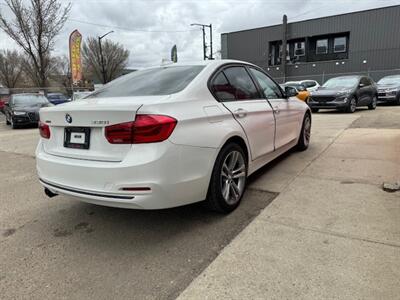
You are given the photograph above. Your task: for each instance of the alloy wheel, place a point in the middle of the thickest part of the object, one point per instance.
(353, 105)
(233, 177)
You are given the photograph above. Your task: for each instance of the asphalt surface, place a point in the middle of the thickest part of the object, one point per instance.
(62, 248)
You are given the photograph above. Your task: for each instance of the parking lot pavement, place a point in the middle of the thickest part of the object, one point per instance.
(321, 235)
(332, 233)
(61, 248)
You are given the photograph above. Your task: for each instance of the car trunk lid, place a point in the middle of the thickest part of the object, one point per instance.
(87, 119)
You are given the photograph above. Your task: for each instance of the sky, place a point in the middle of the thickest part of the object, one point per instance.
(149, 29)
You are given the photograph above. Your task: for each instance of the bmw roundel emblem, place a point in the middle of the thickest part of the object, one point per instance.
(68, 118)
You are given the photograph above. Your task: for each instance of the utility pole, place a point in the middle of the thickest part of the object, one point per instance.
(203, 26)
(103, 67)
(284, 43)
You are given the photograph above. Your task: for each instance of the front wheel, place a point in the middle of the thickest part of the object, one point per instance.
(228, 179)
(372, 105)
(351, 108)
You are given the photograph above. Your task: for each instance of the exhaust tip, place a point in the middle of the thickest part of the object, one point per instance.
(49, 193)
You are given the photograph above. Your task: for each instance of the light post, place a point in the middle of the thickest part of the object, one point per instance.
(204, 40)
(103, 68)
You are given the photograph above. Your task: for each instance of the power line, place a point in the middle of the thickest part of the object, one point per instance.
(130, 29)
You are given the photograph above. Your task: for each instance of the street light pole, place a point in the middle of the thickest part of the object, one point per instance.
(203, 26)
(103, 67)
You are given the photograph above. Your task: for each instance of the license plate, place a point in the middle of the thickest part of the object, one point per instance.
(77, 137)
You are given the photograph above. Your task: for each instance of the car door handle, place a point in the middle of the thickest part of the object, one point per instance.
(240, 113)
(276, 110)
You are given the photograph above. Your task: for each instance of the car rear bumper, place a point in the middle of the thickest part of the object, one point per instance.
(174, 175)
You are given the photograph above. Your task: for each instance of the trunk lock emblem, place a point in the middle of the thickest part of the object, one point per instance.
(68, 118)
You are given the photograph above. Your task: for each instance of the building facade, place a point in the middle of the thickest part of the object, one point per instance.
(364, 42)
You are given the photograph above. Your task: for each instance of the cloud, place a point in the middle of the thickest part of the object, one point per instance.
(148, 48)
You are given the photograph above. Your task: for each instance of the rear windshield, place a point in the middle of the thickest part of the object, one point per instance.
(150, 82)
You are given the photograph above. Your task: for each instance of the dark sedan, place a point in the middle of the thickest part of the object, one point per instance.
(23, 109)
(389, 89)
(57, 98)
(345, 93)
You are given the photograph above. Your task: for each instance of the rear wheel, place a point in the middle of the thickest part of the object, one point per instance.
(351, 108)
(373, 103)
(228, 179)
(305, 135)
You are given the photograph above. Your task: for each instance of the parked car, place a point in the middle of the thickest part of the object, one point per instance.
(57, 98)
(3, 101)
(389, 89)
(311, 85)
(169, 136)
(302, 92)
(23, 109)
(345, 93)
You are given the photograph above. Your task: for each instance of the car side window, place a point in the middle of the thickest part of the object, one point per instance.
(271, 89)
(222, 89)
(242, 83)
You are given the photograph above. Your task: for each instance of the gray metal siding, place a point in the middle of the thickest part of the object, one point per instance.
(374, 37)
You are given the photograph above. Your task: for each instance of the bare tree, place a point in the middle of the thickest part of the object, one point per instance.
(114, 54)
(10, 68)
(34, 28)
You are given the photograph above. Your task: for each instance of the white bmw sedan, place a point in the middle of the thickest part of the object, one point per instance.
(170, 135)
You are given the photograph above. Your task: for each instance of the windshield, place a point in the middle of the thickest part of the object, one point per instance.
(390, 80)
(29, 100)
(150, 82)
(341, 82)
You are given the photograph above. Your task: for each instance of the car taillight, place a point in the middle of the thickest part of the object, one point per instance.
(145, 129)
(44, 130)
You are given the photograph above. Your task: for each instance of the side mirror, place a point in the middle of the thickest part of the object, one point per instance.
(290, 91)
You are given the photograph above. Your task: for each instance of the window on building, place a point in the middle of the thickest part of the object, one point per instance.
(299, 49)
(322, 46)
(339, 44)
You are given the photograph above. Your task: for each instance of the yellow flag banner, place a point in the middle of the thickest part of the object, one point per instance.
(75, 40)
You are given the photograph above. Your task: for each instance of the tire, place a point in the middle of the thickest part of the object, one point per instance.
(305, 134)
(373, 103)
(397, 102)
(351, 108)
(225, 190)
(7, 122)
(13, 125)
(315, 110)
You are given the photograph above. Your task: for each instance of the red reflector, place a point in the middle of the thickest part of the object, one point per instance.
(136, 189)
(145, 129)
(44, 130)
